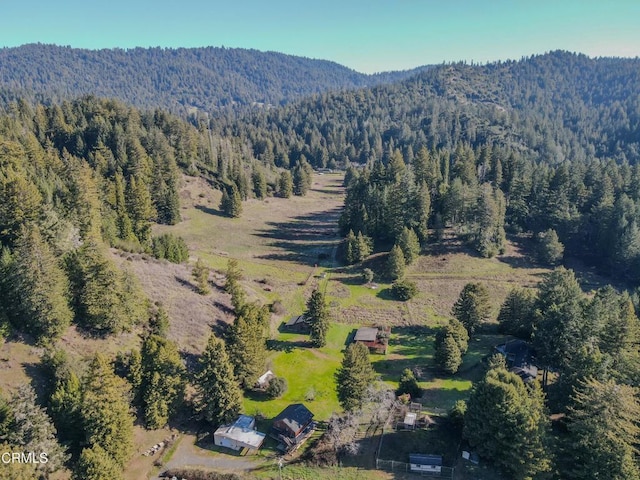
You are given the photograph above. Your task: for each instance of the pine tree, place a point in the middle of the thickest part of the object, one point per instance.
(20, 204)
(300, 180)
(105, 409)
(259, 183)
(351, 248)
(37, 289)
(95, 463)
(107, 300)
(285, 184)
(123, 221)
(231, 203)
(517, 314)
(140, 209)
(232, 284)
(318, 318)
(409, 384)
(549, 249)
(604, 431)
(354, 376)
(246, 344)
(162, 384)
(200, 274)
(395, 263)
(31, 429)
(409, 244)
(507, 424)
(218, 396)
(472, 307)
(447, 354)
(65, 409)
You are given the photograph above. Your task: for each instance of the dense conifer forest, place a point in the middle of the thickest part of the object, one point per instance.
(179, 80)
(545, 150)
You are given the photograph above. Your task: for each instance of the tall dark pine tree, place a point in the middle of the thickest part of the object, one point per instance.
(37, 288)
(218, 396)
(472, 307)
(318, 318)
(354, 376)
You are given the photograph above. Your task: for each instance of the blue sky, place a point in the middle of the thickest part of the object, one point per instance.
(369, 36)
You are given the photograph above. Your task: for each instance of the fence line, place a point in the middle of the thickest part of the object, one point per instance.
(394, 466)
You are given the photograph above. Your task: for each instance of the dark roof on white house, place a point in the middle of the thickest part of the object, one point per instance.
(420, 459)
(295, 416)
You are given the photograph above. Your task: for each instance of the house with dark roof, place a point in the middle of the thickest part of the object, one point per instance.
(520, 359)
(375, 338)
(299, 324)
(292, 426)
(425, 463)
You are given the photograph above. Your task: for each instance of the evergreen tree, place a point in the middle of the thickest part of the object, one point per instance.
(140, 209)
(162, 383)
(351, 248)
(604, 430)
(285, 184)
(472, 307)
(318, 318)
(409, 384)
(395, 263)
(231, 203)
(105, 409)
(507, 424)
(37, 289)
(549, 249)
(354, 376)
(31, 429)
(300, 180)
(65, 409)
(123, 221)
(259, 183)
(447, 354)
(20, 204)
(170, 247)
(107, 300)
(218, 396)
(409, 244)
(200, 274)
(95, 463)
(233, 286)
(517, 314)
(246, 343)
(560, 328)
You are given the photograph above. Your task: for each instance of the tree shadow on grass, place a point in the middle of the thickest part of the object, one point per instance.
(286, 346)
(210, 211)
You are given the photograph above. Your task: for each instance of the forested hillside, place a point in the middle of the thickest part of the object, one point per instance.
(549, 143)
(174, 79)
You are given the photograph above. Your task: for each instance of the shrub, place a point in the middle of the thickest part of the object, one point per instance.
(367, 275)
(170, 247)
(404, 290)
(277, 387)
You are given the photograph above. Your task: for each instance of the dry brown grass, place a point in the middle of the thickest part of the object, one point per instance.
(193, 316)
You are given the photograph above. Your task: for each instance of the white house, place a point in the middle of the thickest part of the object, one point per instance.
(241, 435)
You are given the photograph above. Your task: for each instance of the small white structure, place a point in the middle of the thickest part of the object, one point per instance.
(241, 435)
(409, 421)
(264, 379)
(425, 463)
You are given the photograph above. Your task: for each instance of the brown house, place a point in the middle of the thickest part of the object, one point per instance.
(299, 324)
(292, 426)
(375, 338)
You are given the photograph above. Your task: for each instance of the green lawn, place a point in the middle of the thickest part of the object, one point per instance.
(309, 373)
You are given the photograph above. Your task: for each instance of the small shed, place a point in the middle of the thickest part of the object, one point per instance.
(240, 436)
(264, 379)
(299, 324)
(409, 421)
(425, 463)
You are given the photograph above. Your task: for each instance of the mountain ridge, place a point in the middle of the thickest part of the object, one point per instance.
(178, 79)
